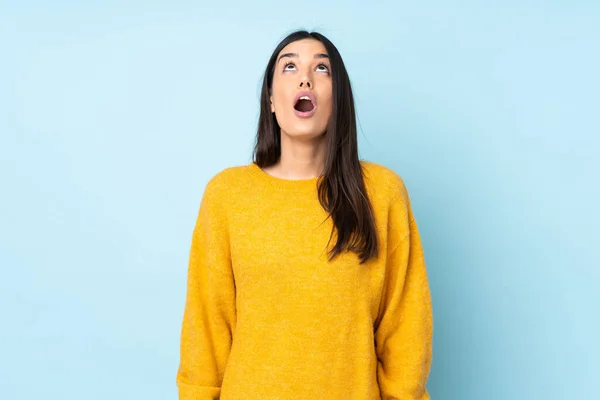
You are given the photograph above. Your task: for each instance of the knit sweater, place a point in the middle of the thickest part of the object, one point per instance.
(268, 317)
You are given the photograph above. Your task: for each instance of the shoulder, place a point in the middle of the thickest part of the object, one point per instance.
(221, 184)
(389, 197)
(384, 181)
(226, 179)
(219, 190)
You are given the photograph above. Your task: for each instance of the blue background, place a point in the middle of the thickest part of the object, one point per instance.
(113, 118)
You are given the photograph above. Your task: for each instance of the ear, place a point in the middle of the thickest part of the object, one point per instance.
(272, 106)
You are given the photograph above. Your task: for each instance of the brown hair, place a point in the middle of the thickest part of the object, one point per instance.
(341, 189)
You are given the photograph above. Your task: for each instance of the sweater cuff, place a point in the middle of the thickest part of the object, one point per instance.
(195, 392)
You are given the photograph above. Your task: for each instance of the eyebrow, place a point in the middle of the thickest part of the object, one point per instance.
(316, 56)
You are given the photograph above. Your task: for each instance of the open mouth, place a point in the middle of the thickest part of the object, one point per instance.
(304, 104)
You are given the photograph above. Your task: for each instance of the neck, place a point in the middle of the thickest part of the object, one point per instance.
(300, 158)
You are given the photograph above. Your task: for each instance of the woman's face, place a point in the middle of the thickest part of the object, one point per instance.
(302, 67)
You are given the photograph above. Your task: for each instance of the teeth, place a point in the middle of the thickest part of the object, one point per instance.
(305, 98)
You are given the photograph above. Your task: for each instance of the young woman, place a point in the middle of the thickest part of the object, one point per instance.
(272, 310)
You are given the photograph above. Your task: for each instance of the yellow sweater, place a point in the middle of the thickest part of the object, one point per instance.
(267, 317)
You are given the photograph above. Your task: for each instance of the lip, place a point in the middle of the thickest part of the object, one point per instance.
(313, 99)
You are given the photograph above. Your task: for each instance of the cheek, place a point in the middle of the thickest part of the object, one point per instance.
(327, 96)
(328, 105)
(279, 97)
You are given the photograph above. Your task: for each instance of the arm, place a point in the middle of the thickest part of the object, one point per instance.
(403, 336)
(209, 316)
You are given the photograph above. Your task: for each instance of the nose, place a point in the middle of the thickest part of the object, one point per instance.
(305, 83)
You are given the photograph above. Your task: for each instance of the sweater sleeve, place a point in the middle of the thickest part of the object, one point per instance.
(403, 336)
(209, 316)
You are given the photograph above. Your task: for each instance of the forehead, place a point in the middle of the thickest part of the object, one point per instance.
(305, 48)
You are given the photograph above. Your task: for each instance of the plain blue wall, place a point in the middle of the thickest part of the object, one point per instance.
(113, 118)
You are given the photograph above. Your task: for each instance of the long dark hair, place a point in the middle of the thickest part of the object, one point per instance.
(341, 188)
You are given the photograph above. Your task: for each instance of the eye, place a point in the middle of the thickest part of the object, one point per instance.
(324, 66)
(285, 66)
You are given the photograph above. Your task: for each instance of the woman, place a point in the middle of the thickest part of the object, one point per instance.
(271, 311)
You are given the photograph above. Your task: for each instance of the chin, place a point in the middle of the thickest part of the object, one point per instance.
(304, 130)
(304, 133)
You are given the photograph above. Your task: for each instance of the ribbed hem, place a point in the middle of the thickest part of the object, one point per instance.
(280, 183)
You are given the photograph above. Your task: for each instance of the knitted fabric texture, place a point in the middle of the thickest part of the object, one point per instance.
(268, 317)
